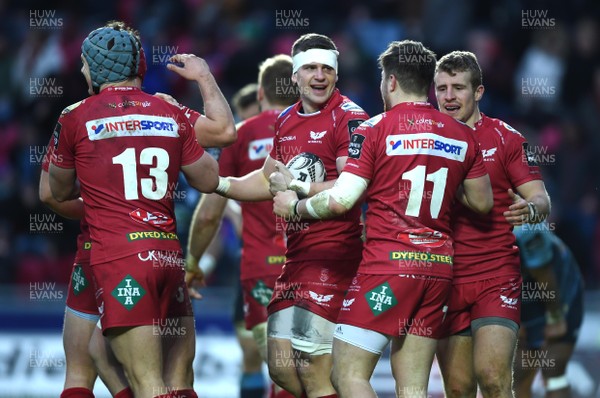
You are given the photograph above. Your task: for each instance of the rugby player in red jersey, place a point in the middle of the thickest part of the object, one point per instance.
(412, 161)
(263, 251)
(81, 312)
(215, 128)
(127, 160)
(484, 308)
(321, 257)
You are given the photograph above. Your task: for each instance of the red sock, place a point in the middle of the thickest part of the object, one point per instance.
(77, 392)
(125, 393)
(187, 393)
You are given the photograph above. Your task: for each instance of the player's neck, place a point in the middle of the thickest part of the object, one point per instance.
(135, 82)
(267, 106)
(475, 117)
(400, 98)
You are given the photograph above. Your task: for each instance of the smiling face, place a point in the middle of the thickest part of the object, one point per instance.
(456, 96)
(316, 83)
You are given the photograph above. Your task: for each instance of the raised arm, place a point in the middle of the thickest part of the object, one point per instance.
(217, 127)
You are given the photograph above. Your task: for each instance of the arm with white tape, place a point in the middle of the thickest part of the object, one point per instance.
(330, 203)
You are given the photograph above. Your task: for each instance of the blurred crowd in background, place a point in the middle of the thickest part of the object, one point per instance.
(540, 62)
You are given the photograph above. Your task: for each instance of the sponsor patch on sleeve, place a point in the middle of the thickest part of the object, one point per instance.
(353, 125)
(510, 128)
(355, 146)
(349, 106)
(56, 134)
(528, 155)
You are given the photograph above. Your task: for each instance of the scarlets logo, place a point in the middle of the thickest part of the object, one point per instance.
(320, 299)
(488, 154)
(317, 135)
(155, 219)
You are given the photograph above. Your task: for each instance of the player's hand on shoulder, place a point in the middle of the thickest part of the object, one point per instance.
(518, 212)
(188, 66)
(167, 98)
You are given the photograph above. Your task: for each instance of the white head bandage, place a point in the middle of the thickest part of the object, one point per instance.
(316, 55)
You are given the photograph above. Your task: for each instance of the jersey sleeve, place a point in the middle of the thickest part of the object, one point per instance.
(63, 139)
(191, 149)
(521, 165)
(48, 154)
(362, 152)
(477, 167)
(191, 114)
(349, 122)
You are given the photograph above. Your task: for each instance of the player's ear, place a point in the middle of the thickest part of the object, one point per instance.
(479, 92)
(392, 82)
(295, 78)
(260, 94)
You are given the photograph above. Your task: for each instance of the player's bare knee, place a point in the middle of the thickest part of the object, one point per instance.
(456, 389)
(459, 384)
(278, 374)
(494, 383)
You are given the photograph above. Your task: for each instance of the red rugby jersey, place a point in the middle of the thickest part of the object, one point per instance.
(415, 158)
(484, 244)
(127, 148)
(326, 134)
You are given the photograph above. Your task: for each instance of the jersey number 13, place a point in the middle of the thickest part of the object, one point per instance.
(153, 188)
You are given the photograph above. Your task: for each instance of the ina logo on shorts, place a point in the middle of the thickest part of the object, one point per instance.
(78, 280)
(381, 299)
(262, 293)
(128, 292)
